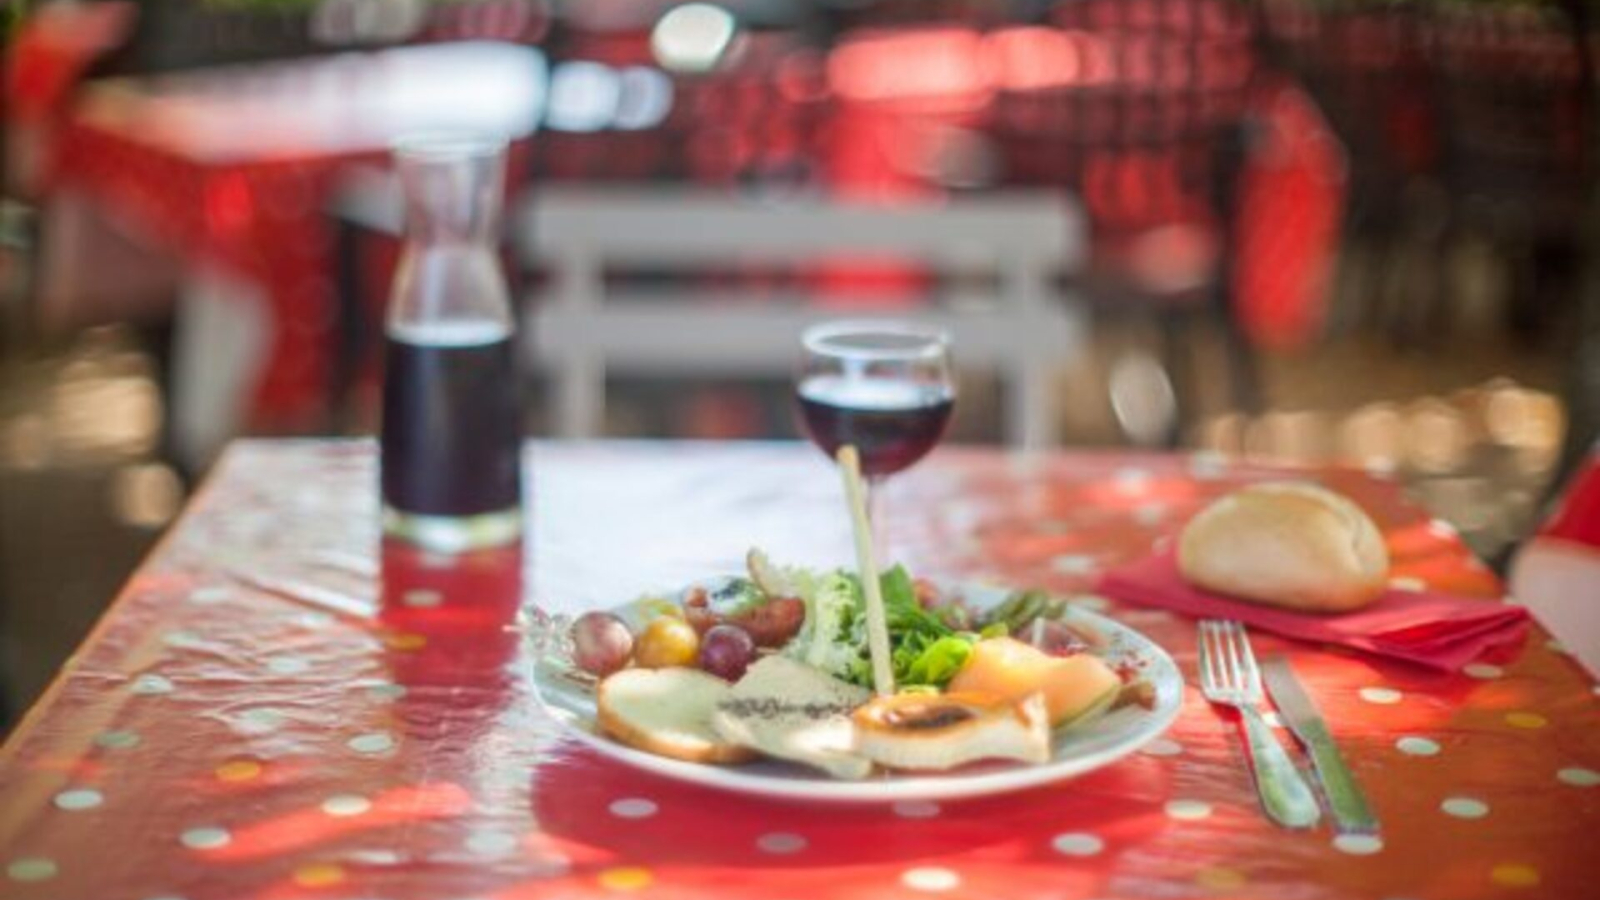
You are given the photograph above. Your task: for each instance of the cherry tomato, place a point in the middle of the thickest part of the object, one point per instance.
(667, 641)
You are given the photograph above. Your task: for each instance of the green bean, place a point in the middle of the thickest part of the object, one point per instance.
(1055, 607)
(1002, 611)
(1028, 609)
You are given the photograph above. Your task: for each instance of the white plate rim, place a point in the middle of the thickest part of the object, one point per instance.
(1159, 669)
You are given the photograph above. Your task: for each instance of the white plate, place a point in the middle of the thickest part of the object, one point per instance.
(1074, 751)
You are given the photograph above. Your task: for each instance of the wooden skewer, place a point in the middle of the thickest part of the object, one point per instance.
(867, 567)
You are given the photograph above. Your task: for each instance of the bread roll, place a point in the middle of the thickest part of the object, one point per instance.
(1286, 544)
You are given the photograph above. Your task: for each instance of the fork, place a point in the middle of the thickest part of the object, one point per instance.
(1229, 677)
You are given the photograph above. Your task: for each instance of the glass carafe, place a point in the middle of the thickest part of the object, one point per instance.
(451, 433)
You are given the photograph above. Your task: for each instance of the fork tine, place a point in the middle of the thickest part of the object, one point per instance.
(1252, 671)
(1216, 650)
(1236, 680)
(1208, 677)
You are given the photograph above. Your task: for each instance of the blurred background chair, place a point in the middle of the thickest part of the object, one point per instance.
(580, 332)
(582, 326)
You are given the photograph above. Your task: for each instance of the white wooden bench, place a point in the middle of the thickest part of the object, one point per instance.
(579, 334)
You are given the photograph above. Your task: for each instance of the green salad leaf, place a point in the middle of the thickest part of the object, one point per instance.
(924, 651)
(935, 663)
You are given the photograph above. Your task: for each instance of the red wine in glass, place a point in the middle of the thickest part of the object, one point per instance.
(884, 387)
(892, 423)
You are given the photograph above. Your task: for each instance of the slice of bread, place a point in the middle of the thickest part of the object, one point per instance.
(932, 731)
(667, 712)
(788, 710)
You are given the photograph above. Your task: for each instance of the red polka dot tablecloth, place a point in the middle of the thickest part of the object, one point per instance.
(278, 706)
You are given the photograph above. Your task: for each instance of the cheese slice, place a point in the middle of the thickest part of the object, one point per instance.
(788, 710)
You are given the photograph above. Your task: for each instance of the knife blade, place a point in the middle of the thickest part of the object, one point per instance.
(1345, 799)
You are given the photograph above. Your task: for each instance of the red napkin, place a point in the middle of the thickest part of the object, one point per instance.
(1441, 631)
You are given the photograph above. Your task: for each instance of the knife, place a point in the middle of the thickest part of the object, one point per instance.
(1345, 800)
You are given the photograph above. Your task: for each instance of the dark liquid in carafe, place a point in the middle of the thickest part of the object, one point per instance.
(450, 432)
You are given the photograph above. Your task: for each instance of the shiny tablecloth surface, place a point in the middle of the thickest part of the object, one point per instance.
(257, 718)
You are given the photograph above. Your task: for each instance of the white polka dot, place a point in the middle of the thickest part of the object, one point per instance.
(1417, 746)
(1188, 810)
(117, 740)
(1555, 646)
(372, 742)
(550, 865)
(1464, 807)
(1579, 777)
(150, 684)
(1408, 583)
(1150, 514)
(182, 639)
(1380, 695)
(1207, 466)
(1358, 844)
(1077, 843)
(206, 596)
(386, 691)
(1595, 690)
(346, 805)
(313, 620)
(1074, 564)
(916, 809)
(288, 665)
(421, 598)
(1442, 529)
(80, 798)
(633, 808)
(206, 838)
(377, 857)
(1150, 616)
(491, 843)
(31, 868)
(1132, 479)
(780, 843)
(260, 720)
(930, 878)
(1162, 747)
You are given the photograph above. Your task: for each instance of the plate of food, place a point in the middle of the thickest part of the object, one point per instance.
(764, 683)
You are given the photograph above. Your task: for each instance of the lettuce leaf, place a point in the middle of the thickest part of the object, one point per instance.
(934, 663)
(924, 651)
(834, 637)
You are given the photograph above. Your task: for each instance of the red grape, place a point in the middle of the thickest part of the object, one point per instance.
(726, 651)
(601, 643)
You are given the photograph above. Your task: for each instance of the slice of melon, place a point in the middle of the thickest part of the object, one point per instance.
(1075, 687)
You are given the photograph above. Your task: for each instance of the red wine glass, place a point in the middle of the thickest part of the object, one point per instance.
(884, 386)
